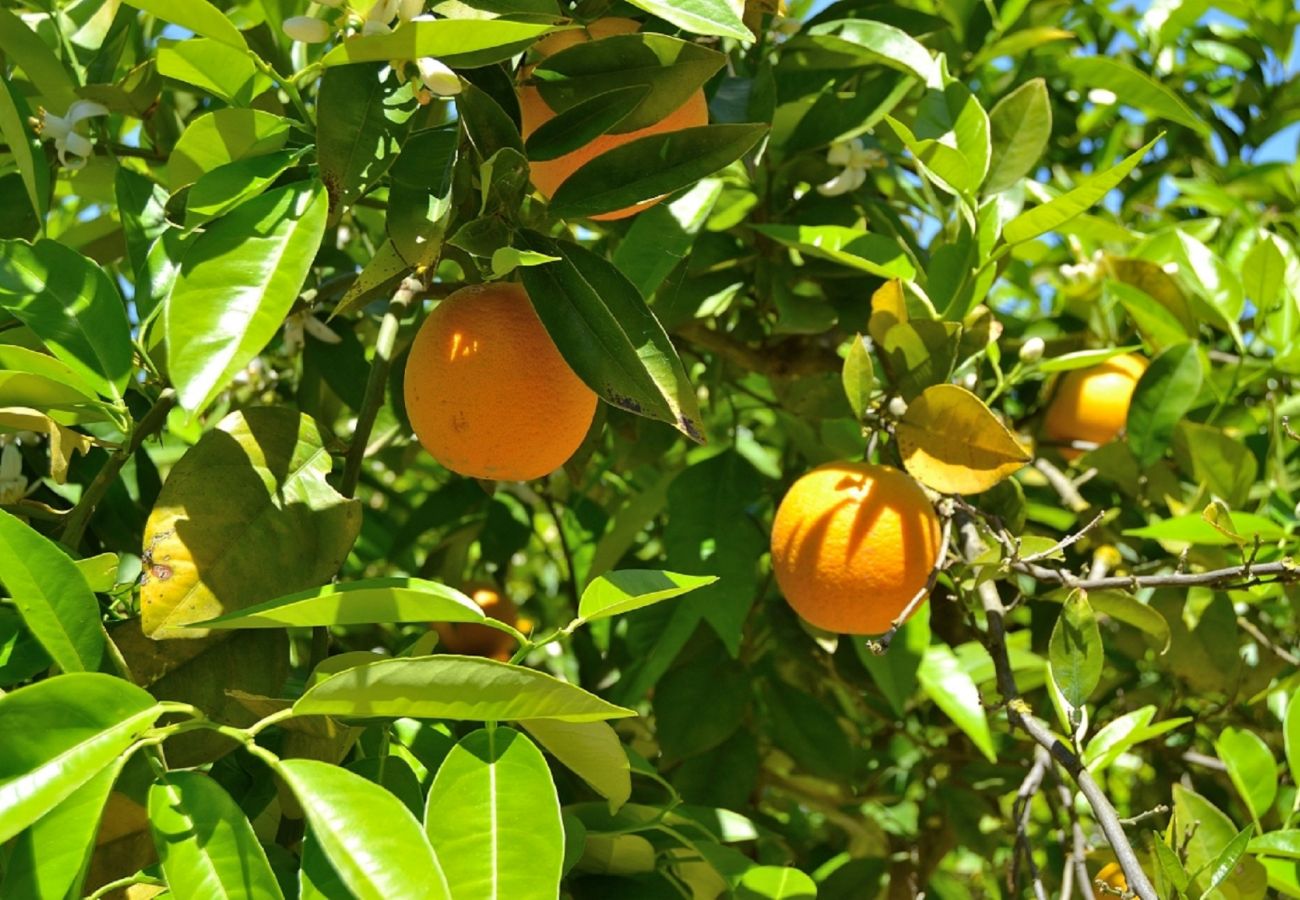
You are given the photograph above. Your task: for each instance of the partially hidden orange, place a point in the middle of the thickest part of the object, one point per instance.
(472, 639)
(487, 391)
(1092, 404)
(852, 544)
(549, 174)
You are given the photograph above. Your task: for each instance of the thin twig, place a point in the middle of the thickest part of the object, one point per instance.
(1076, 859)
(1230, 576)
(880, 646)
(1061, 483)
(1143, 816)
(1020, 811)
(1263, 640)
(1064, 542)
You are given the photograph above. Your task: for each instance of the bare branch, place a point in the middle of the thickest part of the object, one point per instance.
(1263, 640)
(1142, 816)
(1243, 575)
(1020, 811)
(1065, 541)
(1062, 484)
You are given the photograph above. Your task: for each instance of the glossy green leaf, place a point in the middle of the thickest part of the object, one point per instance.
(652, 166)
(456, 42)
(858, 376)
(952, 690)
(365, 602)
(669, 70)
(238, 281)
(25, 148)
(493, 818)
(72, 306)
(1059, 210)
(1210, 837)
(661, 237)
(142, 207)
(372, 841)
(583, 122)
(1121, 734)
(710, 17)
(453, 687)
(1158, 325)
(24, 47)
(59, 734)
(199, 16)
(1251, 768)
(1075, 650)
(1222, 866)
(219, 191)
(1171, 872)
(1291, 736)
(33, 379)
(362, 120)
(776, 883)
(875, 254)
(1285, 843)
(1164, 394)
(620, 592)
(1132, 88)
(895, 671)
(1126, 608)
(608, 335)
(1216, 460)
(205, 844)
(1083, 359)
(1193, 529)
(1263, 271)
(216, 138)
(419, 198)
(213, 66)
(218, 544)
(591, 750)
(1020, 125)
(51, 595)
(953, 117)
(383, 272)
(884, 44)
(49, 858)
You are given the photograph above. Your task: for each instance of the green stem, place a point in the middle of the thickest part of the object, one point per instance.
(137, 878)
(288, 85)
(79, 518)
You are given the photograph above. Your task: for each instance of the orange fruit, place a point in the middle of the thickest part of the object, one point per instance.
(1092, 404)
(471, 639)
(549, 174)
(487, 391)
(852, 544)
(1111, 876)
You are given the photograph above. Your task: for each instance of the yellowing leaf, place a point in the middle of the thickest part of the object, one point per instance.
(951, 442)
(888, 308)
(64, 442)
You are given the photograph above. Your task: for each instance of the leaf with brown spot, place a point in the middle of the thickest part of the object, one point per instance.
(951, 442)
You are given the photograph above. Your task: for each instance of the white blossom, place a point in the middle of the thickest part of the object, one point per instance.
(306, 29)
(856, 160)
(1031, 351)
(62, 130)
(438, 77)
(300, 324)
(13, 486)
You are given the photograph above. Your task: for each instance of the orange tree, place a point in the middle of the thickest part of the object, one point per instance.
(1011, 280)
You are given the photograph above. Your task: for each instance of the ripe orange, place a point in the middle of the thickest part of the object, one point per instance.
(852, 544)
(488, 393)
(549, 174)
(470, 639)
(1092, 404)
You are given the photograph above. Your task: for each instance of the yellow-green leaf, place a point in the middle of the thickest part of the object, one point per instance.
(952, 442)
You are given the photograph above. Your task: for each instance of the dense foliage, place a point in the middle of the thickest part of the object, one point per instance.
(905, 225)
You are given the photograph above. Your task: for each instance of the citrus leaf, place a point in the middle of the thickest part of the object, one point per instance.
(1075, 650)
(248, 497)
(225, 187)
(215, 67)
(419, 196)
(592, 751)
(1083, 359)
(25, 147)
(715, 17)
(1163, 395)
(1059, 210)
(453, 687)
(1250, 768)
(360, 127)
(885, 45)
(583, 122)
(1223, 865)
(1132, 88)
(1291, 735)
(852, 247)
(493, 818)
(858, 376)
(24, 47)
(895, 672)
(776, 883)
(623, 591)
(463, 43)
(52, 596)
(951, 442)
(953, 691)
(198, 16)
(366, 602)
(1019, 126)
(216, 138)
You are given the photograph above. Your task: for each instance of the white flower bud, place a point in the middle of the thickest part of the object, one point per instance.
(409, 9)
(306, 29)
(1031, 351)
(438, 77)
(897, 407)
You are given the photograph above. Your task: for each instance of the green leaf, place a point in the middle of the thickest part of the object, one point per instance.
(583, 122)
(223, 136)
(1284, 843)
(1250, 767)
(608, 335)
(361, 123)
(51, 595)
(1120, 735)
(72, 306)
(803, 726)
(1132, 88)
(712, 17)
(652, 166)
(248, 496)
(1225, 863)
(1217, 460)
(1075, 650)
(49, 859)
(24, 47)
(776, 883)
(493, 818)
(623, 591)
(205, 844)
(1131, 611)
(142, 206)
(199, 16)
(1291, 736)
(1160, 327)
(1171, 867)
(592, 751)
(1263, 271)
(453, 687)
(895, 671)
(1059, 210)
(954, 117)
(383, 271)
(215, 67)
(1214, 832)
(366, 602)
(875, 254)
(858, 376)
(952, 690)
(661, 237)
(25, 148)
(1020, 125)
(1193, 529)
(226, 187)
(238, 281)
(460, 43)
(669, 70)
(419, 196)
(373, 841)
(1165, 392)
(59, 734)
(884, 44)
